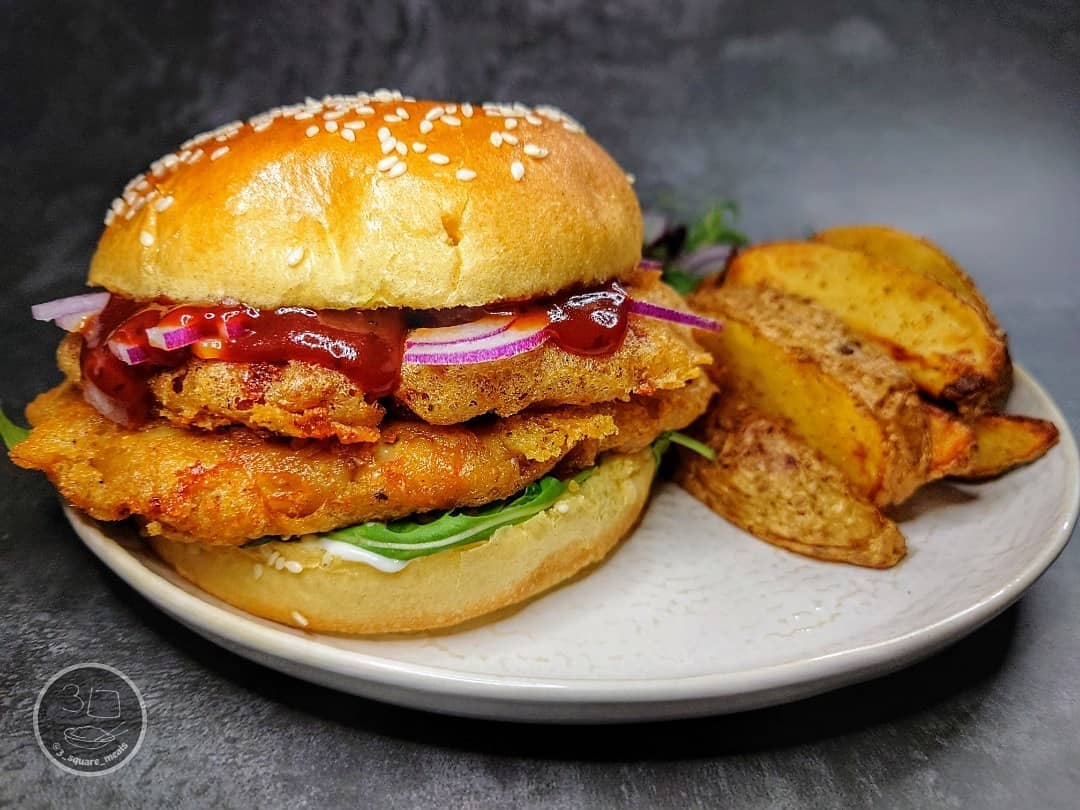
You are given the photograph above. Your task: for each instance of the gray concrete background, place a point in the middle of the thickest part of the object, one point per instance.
(958, 120)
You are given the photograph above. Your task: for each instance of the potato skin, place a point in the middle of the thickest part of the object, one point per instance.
(946, 344)
(772, 484)
(796, 362)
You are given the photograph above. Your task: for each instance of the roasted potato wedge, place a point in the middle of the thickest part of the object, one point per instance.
(796, 362)
(1005, 441)
(772, 484)
(910, 251)
(952, 443)
(944, 343)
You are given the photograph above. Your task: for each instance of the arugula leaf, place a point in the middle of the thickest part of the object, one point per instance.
(408, 539)
(11, 433)
(679, 280)
(716, 227)
(670, 437)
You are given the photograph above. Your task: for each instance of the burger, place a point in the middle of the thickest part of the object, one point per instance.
(370, 364)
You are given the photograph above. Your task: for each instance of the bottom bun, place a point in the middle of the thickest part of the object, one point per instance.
(316, 591)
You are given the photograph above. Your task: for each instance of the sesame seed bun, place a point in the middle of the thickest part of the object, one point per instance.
(374, 201)
(444, 589)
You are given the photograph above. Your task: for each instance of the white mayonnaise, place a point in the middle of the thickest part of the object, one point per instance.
(347, 551)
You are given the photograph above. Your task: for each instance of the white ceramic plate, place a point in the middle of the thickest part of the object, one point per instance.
(690, 616)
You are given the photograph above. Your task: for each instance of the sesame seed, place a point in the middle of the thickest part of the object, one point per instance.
(355, 125)
(384, 133)
(562, 508)
(496, 139)
(294, 257)
(129, 214)
(146, 238)
(364, 110)
(510, 138)
(170, 160)
(532, 150)
(402, 113)
(426, 127)
(439, 158)
(434, 112)
(163, 203)
(348, 135)
(221, 151)
(392, 119)
(110, 217)
(304, 116)
(221, 138)
(631, 179)
(517, 169)
(117, 205)
(465, 174)
(293, 567)
(144, 184)
(299, 618)
(258, 571)
(510, 123)
(333, 115)
(196, 156)
(330, 126)
(311, 131)
(419, 147)
(570, 126)
(535, 120)
(129, 196)
(388, 146)
(452, 120)
(397, 169)
(386, 163)
(467, 110)
(273, 557)
(402, 149)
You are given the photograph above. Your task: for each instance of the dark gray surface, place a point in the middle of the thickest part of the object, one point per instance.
(958, 120)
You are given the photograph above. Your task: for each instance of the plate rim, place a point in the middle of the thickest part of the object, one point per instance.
(301, 647)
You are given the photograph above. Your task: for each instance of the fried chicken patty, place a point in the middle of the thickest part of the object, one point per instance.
(237, 485)
(307, 401)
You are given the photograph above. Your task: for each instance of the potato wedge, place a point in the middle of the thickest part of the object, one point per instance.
(1005, 442)
(943, 342)
(771, 484)
(797, 362)
(910, 251)
(952, 443)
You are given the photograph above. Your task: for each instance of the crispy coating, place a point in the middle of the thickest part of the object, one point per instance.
(307, 401)
(237, 485)
(656, 356)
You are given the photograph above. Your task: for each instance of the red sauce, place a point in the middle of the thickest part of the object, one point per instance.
(590, 323)
(365, 346)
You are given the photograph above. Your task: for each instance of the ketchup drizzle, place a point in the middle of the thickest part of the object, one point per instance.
(366, 346)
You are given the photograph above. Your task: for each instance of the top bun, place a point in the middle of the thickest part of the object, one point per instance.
(374, 201)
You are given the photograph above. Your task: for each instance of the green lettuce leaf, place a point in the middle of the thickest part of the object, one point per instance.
(408, 539)
(11, 433)
(716, 227)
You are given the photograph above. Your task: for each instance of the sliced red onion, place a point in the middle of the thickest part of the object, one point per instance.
(104, 404)
(129, 352)
(523, 335)
(674, 315)
(71, 312)
(462, 333)
(169, 339)
(706, 260)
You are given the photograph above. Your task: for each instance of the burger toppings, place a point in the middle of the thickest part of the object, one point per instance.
(127, 342)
